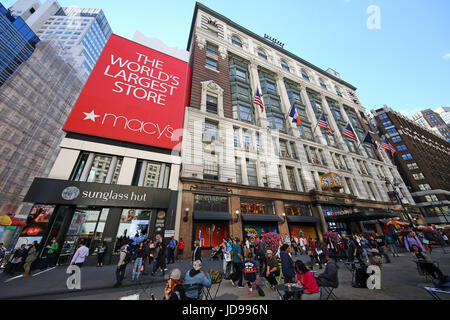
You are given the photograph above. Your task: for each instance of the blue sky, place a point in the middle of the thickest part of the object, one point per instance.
(405, 64)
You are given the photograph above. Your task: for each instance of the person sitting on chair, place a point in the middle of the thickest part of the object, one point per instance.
(174, 289)
(329, 278)
(273, 270)
(307, 281)
(196, 277)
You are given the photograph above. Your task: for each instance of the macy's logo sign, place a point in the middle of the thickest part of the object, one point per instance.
(134, 125)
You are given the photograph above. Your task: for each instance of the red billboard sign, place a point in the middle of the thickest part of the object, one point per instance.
(134, 94)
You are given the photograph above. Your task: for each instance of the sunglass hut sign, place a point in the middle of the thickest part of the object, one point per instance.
(73, 193)
(134, 94)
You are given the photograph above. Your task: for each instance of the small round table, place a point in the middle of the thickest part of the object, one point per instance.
(284, 287)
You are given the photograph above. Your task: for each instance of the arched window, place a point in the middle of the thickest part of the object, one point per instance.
(285, 66)
(305, 75)
(262, 54)
(322, 84)
(236, 41)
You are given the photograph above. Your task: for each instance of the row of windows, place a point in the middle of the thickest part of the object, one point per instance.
(100, 168)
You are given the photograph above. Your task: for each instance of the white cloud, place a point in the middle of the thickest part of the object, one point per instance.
(446, 56)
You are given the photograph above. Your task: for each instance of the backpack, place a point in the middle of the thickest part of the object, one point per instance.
(128, 256)
(216, 276)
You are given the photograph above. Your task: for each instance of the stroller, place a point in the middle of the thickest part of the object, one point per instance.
(216, 253)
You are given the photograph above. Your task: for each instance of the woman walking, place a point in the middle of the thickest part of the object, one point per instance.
(101, 254)
(138, 262)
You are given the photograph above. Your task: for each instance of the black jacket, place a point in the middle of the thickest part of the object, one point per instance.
(197, 254)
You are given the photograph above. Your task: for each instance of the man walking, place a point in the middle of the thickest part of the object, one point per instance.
(238, 258)
(171, 251)
(51, 253)
(381, 243)
(197, 253)
(180, 249)
(121, 267)
(80, 255)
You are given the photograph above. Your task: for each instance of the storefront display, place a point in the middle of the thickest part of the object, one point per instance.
(210, 235)
(254, 232)
(305, 231)
(134, 225)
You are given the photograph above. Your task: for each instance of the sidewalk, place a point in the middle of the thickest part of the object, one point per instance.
(53, 282)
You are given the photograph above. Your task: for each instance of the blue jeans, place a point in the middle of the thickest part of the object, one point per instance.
(137, 268)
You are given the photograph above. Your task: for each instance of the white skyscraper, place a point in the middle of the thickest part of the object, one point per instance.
(444, 112)
(82, 32)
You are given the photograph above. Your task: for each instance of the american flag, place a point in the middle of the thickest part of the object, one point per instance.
(323, 123)
(348, 132)
(386, 145)
(258, 101)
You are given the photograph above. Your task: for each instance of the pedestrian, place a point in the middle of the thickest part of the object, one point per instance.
(425, 262)
(425, 242)
(174, 289)
(101, 254)
(306, 280)
(51, 254)
(247, 246)
(352, 251)
(227, 260)
(287, 268)
(412, 239)
(294, 246)
(180, 249)
(261, 255)
(2, 253)
(197, 253)
(311, 250)
(381, 243)
(391, 244)
(152, 252)
(160, 261)
(238, 257)
(80, 255)
(171, 250)
(146, 257)
(272, 270)
(250, 271)
(121, 266)
(137, 259)
(31, 257)
(196, 277)
(302, 245)
(365, 248)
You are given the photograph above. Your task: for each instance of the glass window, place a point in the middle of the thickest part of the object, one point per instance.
(210, 234)
(210, 63)
(322, 84)
(305, 75)
(338, 92)
(99, 169)
(397, 139)
(154, 173)
(285, 66)
(241, 74)
(236, 138)
(401, 147)
(211, 104)
(251, 172)
(291, 178)
(392, 131)
(210, 170)
(209, 203)
(134, 225)
(407, 156)
(387, 124)
(87, 225)
(238, 170)
(211, 48)
(262, 54)
(210, 133)
(236, 41)
(250, 206)
(276, 123)
(264, 175)
(243, 113)
(383, 116)
(297, 209)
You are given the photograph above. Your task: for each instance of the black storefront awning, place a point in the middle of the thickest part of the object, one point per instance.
(300, 219)
(361, 216)
(261, 218)
(216, 216)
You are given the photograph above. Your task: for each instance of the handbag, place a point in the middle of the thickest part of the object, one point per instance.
(425, 241)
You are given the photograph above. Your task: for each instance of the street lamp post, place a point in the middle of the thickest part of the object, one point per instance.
(405, 212)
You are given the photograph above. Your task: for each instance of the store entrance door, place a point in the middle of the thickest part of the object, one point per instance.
(87, 224)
